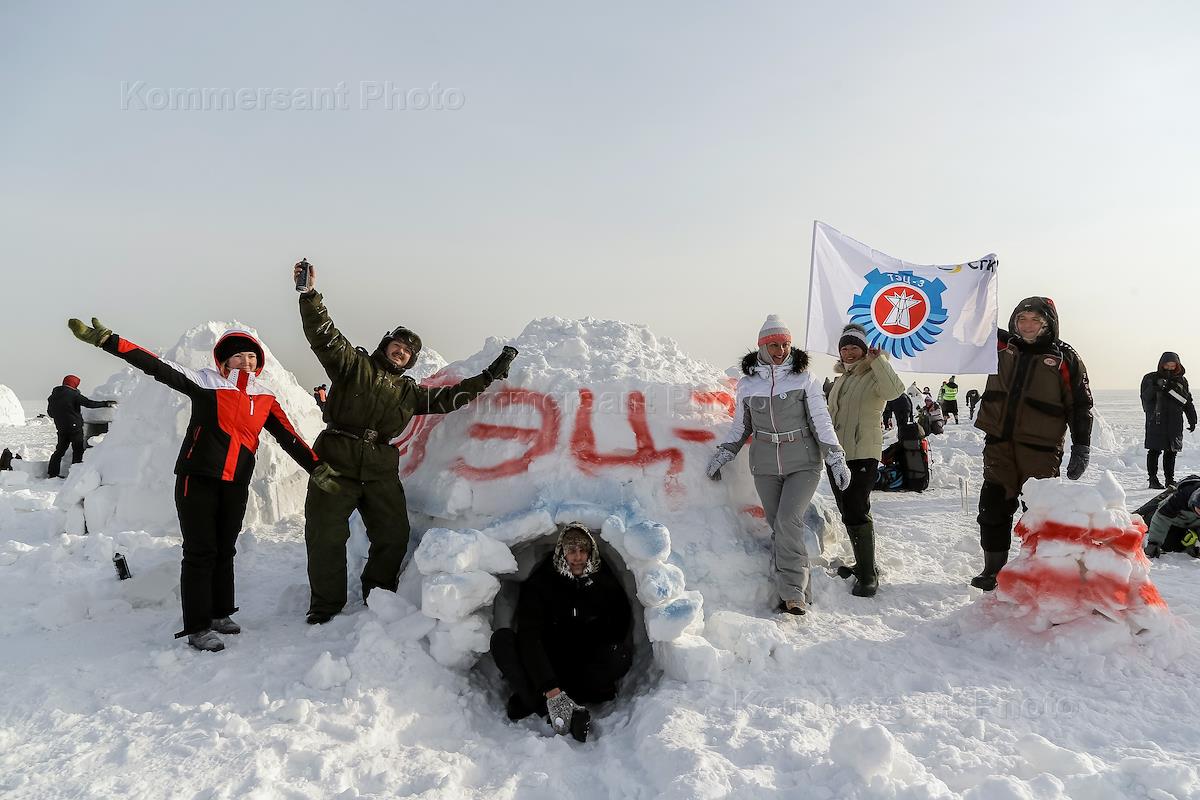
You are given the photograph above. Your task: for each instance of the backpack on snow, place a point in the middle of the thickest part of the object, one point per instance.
(906, 465)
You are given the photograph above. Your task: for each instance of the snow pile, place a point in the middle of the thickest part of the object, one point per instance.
(599, 422)
(11, 412)
(127, 481)
(1081, 563)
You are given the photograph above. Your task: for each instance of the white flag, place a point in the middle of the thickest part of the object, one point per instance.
(927, 318)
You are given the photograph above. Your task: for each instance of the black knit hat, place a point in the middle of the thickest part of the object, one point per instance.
(853, 334)
(234, 342)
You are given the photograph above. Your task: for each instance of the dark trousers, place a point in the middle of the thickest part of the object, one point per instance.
(996, 511)
(854, 502)
(1168, 462)
(587, 675)
(327, 529)
(210, 516)
(73, 439)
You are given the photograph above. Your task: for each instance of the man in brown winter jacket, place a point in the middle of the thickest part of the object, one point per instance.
(1039, 392)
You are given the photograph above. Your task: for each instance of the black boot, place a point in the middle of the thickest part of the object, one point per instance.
(992, 564)
(862, 540)
(1152, 469)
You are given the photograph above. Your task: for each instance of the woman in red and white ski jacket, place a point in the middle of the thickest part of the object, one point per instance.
(230, 409)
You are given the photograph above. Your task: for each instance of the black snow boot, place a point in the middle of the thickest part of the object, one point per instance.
(993, 562)
(862, 540)
(519, 707)
(1152, 470)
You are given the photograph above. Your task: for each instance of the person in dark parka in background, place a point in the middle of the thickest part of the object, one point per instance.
(898, 411)
(573, 638)
(1166, 401)
(1040, 392)
(972, 401)
(63, 406)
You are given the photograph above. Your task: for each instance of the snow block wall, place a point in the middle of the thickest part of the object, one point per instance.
(127, 481)
(599, 422)
(11, 412)
(1081, 563)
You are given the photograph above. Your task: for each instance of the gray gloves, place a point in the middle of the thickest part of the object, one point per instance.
(718, 460)
(561, 708)
(835, 459)
(1080, 455)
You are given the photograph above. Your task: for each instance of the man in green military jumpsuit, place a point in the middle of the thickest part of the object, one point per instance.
(369, 403)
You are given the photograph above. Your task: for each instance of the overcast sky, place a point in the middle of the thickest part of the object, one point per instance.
(656, 163)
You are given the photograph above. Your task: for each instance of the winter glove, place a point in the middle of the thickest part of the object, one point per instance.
(498, 369)
(1191, 427)
(96, 335)
(1080, 455)
(324, 478)
(561, 707)
(718, 460)
(838, 469)
(110, 403)
(1153, 550)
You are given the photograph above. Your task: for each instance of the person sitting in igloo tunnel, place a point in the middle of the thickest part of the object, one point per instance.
(573, 637)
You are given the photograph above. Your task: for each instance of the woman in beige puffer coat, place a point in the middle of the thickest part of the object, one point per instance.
(865, 383)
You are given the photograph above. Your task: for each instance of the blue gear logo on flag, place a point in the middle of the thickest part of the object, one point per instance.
(902, 313)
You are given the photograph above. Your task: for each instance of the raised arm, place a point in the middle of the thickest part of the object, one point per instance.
(332, 349)
(444, 399)
(179, 378)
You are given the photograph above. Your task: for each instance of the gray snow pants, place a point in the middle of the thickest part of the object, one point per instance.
(785, 498)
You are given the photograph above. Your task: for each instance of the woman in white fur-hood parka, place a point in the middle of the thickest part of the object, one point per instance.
(781, 405)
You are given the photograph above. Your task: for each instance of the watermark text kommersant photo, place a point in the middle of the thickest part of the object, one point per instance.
(341, 96)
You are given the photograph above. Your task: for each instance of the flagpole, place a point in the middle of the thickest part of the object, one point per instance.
(812, 255)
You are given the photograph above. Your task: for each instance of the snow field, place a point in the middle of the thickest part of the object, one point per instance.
(921, 692)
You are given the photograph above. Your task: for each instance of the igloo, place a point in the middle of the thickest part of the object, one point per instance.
(599, 422)
(11, 412)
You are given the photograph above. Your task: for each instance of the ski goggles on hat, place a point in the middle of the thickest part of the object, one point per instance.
(406, 337)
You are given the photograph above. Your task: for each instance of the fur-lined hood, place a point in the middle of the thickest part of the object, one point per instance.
(560, 560)
(750, 361)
